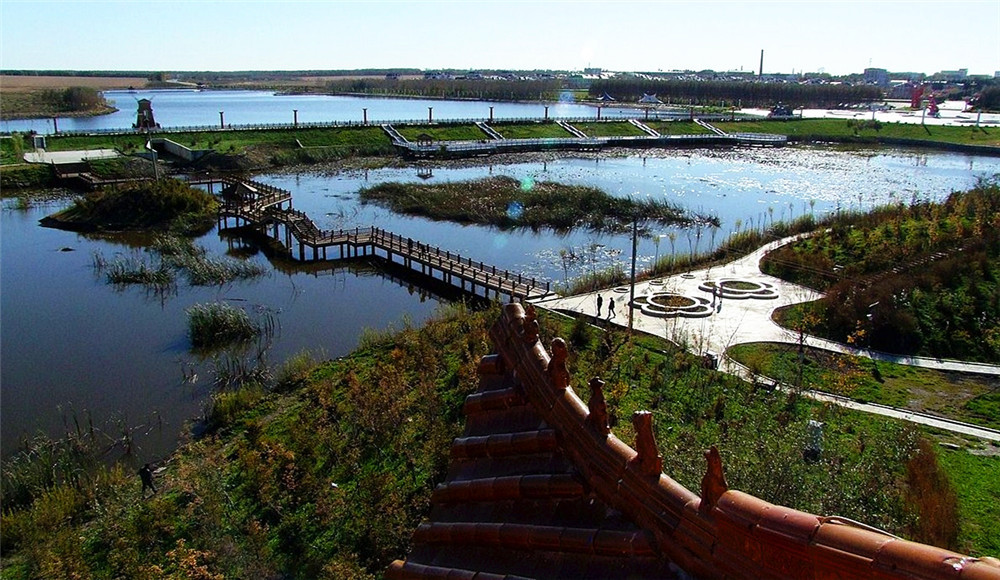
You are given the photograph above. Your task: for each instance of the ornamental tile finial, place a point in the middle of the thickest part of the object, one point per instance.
(557, 370)
(530, 324)
(713, 484)
(598, 407)
(648, 461)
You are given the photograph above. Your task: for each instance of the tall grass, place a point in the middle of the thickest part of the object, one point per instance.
(736, 246)
(175, 255)
(507, 202)
(218, 324)
(133, 269)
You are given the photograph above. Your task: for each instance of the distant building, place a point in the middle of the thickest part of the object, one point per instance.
(592, 71)
(954, 75)
(144, 116)
(877, 76)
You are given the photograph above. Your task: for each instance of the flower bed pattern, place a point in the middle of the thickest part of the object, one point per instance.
(671, 305)
(739, 289)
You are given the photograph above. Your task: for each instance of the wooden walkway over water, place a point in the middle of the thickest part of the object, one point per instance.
(253, 204)
(580, 141)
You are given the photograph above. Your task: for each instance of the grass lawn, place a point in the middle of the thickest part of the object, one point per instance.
(976, 479)
(610, 129)
(234, 141)
(838, 128)
(963, 397)
(546, 130)
(677, 128)
(444, 132)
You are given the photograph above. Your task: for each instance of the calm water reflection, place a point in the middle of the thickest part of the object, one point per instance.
(184, 108)
(70, 343)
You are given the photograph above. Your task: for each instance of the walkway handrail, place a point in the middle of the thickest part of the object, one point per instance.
(608, 114)
(259, 207)
(719, 532)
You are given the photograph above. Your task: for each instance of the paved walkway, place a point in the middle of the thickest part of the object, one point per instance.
(734, 321)
(732, 367)
(61, 157)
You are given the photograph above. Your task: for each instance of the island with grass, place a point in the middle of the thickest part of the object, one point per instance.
(166, 204)
(507, 202)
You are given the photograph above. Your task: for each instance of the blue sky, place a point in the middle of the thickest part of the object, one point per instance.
(838, 37)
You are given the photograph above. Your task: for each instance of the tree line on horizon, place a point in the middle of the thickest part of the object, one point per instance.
(736, 93)
(547, 89)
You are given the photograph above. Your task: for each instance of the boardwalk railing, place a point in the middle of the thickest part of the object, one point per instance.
(606, 115)
(485, 146)
(258, 204)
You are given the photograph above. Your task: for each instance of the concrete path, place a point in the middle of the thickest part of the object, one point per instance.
(733, 321)
(743, 320)
(61, 157)
(732, 367)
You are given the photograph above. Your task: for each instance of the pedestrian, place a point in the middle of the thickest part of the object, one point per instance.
(600, 302)
(611, 308)
(146, 475)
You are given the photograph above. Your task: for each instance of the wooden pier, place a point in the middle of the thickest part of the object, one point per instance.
(252, 204)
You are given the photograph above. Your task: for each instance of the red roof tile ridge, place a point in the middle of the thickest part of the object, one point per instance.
(495, 399)
(508, 487)
(723, 532)
(538, 537)
(504, 444)
(400, 570)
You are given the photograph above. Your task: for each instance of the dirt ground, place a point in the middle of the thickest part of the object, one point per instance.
(20, 84)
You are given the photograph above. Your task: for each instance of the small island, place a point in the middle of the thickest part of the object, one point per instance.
(167, 204)
(507, 202)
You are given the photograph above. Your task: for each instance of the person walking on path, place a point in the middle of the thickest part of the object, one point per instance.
(600, 302)
(146, 475)
(611, 308)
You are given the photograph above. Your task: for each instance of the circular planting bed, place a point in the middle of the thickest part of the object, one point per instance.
(621, 289)
(665, 300)
(739, 289)
(670, 305)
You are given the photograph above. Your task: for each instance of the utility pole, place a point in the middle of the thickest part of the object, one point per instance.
(631, 294)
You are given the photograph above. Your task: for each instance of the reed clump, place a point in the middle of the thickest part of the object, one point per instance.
(136, 270)
(218, 324)
(172, 256)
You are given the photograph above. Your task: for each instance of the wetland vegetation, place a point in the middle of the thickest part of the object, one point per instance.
(167, 204)
(325, 470)
(918, 279)
(507, 202)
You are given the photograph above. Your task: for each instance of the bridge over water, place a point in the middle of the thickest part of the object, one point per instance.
(580, 141)
(248, 203)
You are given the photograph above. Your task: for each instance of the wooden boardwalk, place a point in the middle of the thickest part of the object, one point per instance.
(253, 204)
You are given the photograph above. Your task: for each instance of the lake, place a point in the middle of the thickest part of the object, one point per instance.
(187, 108)
(73, 346)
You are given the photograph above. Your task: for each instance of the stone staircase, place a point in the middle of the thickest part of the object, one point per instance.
(489, 130)
(573, 130)
(644, 128)
(514, 507)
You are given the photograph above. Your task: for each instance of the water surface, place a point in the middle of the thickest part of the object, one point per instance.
(71, 344)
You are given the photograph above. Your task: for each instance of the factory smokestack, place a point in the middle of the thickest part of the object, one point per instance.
(761, 73)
